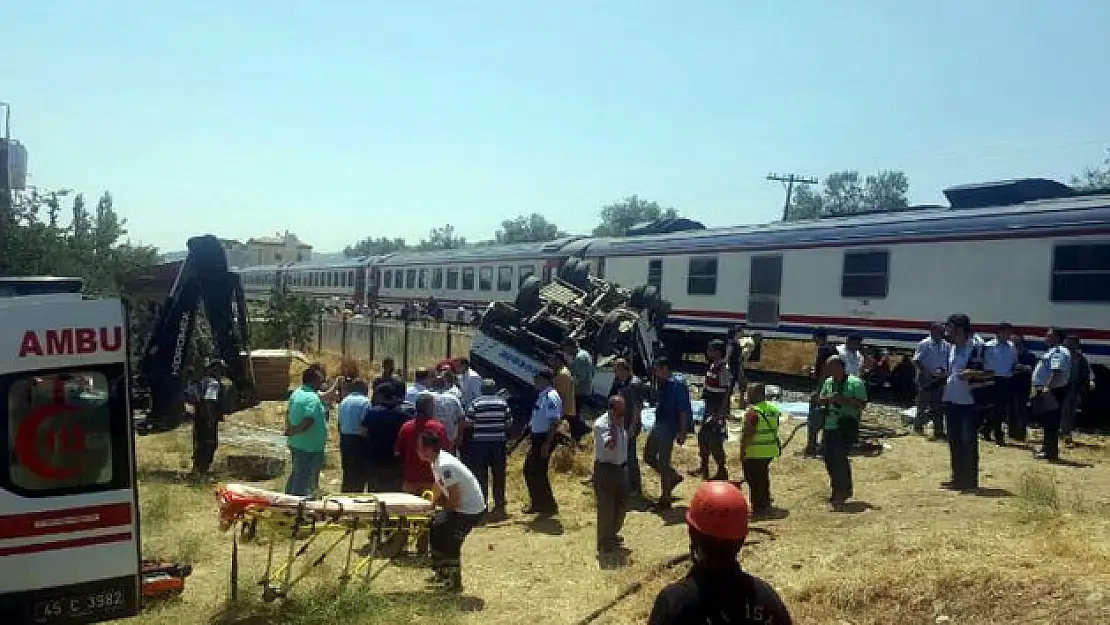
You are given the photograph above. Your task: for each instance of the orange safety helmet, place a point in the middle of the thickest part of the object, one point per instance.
(719, 510)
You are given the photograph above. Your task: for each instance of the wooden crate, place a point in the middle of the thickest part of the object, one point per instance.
(271, 373)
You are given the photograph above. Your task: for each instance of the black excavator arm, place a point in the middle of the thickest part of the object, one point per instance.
(204, 276)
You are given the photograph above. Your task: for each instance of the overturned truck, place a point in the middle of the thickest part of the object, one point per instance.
(610, 322)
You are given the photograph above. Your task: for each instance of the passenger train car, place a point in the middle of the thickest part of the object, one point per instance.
(1000, 253)
(1032, 252)
(471, 277)
(350, 282)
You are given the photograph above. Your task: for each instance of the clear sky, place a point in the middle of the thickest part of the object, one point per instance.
(343, 119)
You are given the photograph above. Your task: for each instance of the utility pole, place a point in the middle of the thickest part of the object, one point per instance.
(790, 180)
(7, 220)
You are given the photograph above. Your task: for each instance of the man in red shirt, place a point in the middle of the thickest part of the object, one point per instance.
(417, 472)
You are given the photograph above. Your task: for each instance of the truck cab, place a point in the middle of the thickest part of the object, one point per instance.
(69, 531)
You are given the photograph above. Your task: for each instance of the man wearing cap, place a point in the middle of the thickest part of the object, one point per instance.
(717, 590)
(416, 472)
(483, 448)
(546, 415)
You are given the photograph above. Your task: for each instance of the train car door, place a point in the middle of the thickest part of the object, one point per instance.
(764, 291)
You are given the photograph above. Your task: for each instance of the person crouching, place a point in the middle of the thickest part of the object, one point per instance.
(610, 479)
(462, 505)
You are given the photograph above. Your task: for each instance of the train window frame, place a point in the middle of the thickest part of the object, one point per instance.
(118, 433)
(452, 283)
(410, 279)
(863, 293)
(468, 279)
(485, 278)
(387, 279)
(702, 284)
(422, 279)
(655, 272)
(523, 273)
(1085, 295)
(437, 278)
(504, 278)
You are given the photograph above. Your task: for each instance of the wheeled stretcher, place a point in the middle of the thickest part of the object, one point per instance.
(392, 523)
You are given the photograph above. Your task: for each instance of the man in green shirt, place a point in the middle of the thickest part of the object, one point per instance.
(843, 398)
(306, 429)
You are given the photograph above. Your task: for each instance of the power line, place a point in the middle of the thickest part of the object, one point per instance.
(790, 180)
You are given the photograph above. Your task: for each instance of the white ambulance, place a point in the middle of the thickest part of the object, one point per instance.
(69, 527)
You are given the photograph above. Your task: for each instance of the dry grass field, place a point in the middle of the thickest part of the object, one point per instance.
(1033, 548)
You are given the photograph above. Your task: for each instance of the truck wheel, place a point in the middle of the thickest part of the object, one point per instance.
(528, 299)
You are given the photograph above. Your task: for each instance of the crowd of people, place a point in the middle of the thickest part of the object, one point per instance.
(447, 434)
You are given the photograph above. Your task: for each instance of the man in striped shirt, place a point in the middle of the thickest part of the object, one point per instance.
(484, 451)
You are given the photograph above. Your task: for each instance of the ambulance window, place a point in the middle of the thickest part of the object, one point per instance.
(60, 433)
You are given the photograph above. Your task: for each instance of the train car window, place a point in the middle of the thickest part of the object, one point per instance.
(1081, 273)
(866, 274)
(387, 279)
(655, 272)
(524, 271)
(452, 279)
(504, 278)
(485, 279)
(333, 279)
(350, 277)
(468, 279)
(422, 283)
(702, 276)
(437, 279)
(410, 278)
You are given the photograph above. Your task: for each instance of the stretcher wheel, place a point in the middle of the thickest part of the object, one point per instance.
(269, 594)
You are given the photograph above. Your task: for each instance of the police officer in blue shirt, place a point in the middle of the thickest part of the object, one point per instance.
(546, 414)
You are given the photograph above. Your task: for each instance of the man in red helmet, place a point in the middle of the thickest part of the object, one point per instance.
(717, 590)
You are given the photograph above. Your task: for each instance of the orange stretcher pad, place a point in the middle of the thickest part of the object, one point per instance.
(392, 523)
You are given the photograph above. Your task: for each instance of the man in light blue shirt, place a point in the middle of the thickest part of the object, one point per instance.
(546, 415)
(959, 407)
(1050, 381)
(1000, 359)
(352, 437)
(930, 359)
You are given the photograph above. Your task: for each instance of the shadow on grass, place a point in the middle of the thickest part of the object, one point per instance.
(773, 513)
(162, 475)
(991, 493)
(1074, 464)
(674, 515)
(545, 525)
(362, 605)
(855, 507)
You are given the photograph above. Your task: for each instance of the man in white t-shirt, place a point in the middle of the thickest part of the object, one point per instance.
(851, 354)
(461, 506)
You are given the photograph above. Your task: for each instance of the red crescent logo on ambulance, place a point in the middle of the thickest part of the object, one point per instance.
(28, 438)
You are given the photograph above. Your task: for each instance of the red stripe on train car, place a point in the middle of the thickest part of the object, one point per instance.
(889, 324)
(72, 543)
(65, 521)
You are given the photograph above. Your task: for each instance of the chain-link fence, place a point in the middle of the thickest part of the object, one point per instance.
(411, 344)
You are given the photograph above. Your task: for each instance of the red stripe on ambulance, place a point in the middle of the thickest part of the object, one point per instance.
(65, 521)
(72, 543)
(70, 341)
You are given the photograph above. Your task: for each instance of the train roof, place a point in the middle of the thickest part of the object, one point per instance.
(1073, 214)
(481, 253)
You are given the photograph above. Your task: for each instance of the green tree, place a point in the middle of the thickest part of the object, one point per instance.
(289, 320)
(1094, 178)
(532, 228)
(847, 193)
(373, 246)
(443, 238)
(618, 217)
